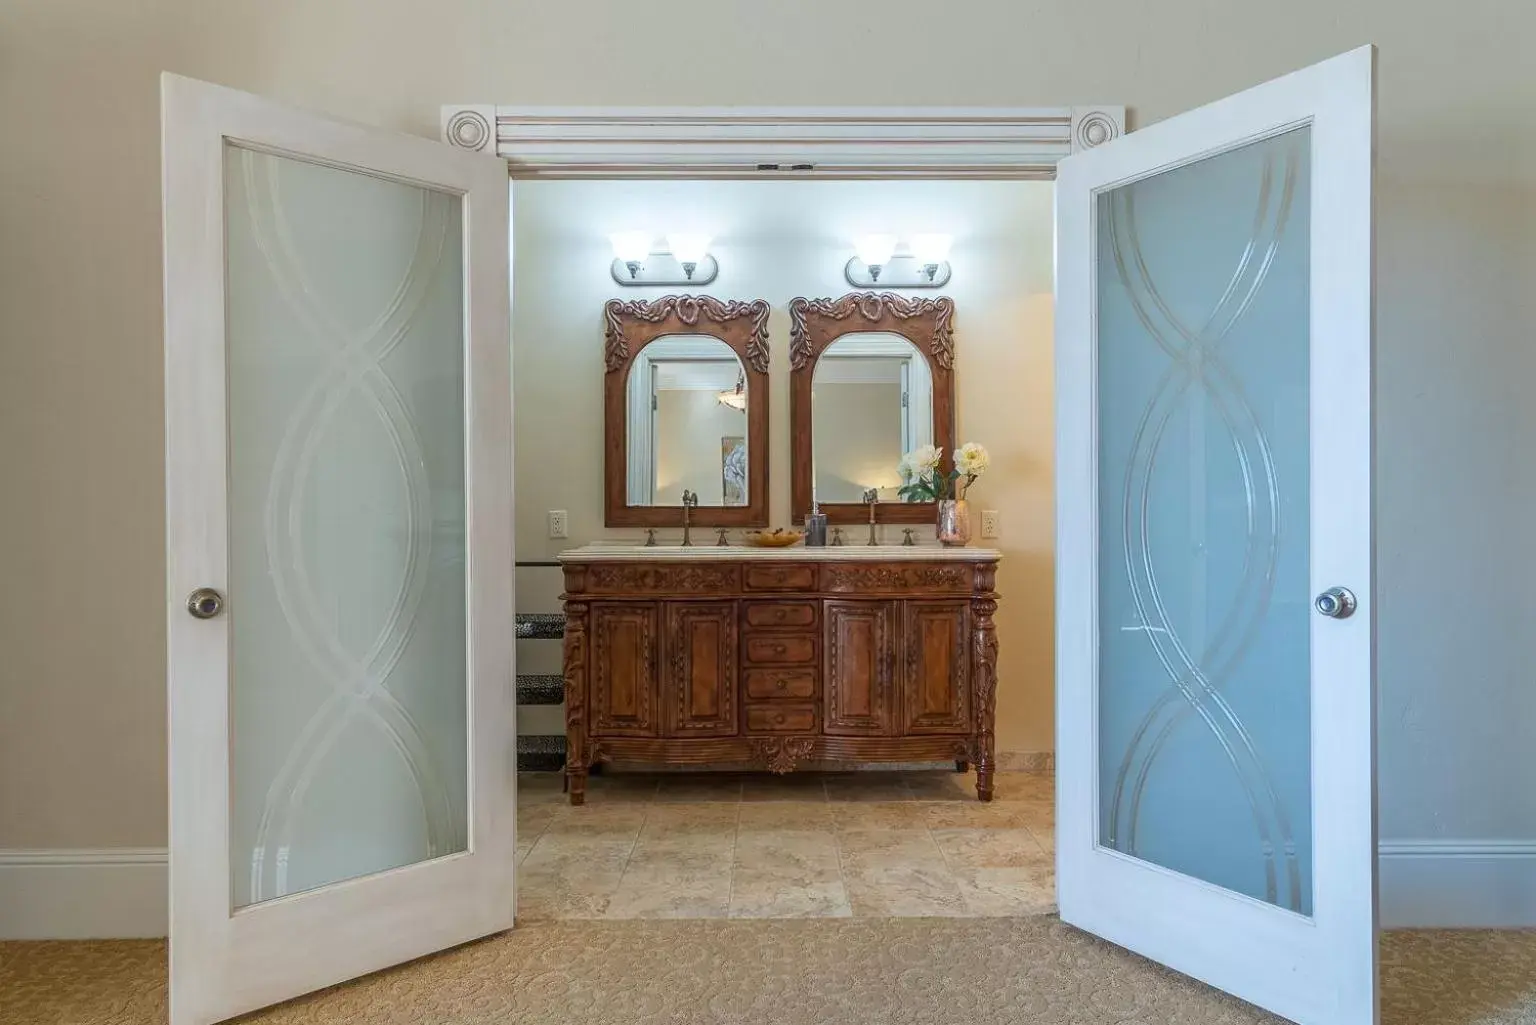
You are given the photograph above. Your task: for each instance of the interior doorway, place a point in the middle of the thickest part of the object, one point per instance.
(908, 840)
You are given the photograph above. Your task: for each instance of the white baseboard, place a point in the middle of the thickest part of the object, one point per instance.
(1457, 884)
(83, 893)
(120, 892)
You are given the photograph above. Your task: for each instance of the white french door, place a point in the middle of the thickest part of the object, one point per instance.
(339, 507)
(1215, 688)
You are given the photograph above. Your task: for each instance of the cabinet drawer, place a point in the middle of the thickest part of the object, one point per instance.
(781, 718)
(780, 578)
(789, 649)
(780, 683)
(781, 613)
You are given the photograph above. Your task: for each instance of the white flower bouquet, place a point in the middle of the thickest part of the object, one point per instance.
(925, 480)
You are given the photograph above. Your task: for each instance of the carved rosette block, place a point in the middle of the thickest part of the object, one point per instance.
(782, 754)
(574, 667)
(471, 128)
(1094, 126)
(984, 692)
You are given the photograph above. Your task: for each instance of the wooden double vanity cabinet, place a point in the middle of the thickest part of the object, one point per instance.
(779, 657)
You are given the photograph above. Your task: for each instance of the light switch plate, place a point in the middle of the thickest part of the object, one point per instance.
(989, 523)
(557, 523)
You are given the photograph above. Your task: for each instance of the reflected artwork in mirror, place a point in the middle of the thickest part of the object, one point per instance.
(686, 410)
(871, 402)
(871, 378)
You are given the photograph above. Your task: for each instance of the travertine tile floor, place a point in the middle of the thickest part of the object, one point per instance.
(808, 845)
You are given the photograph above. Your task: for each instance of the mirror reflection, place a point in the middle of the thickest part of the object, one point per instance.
(686, 412)
(871, 402)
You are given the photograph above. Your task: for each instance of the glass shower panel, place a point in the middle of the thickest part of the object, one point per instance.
(348, 703)
(1204, 655)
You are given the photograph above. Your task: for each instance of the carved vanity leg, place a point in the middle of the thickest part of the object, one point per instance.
(984, 679)
(575, 668)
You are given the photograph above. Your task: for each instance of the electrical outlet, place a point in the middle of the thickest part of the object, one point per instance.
(557, 523)
(989, 523)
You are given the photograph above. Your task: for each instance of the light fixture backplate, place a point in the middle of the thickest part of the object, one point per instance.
(900, 271)
(663, 269)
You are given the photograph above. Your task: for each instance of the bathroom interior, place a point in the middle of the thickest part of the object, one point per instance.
(606, 449)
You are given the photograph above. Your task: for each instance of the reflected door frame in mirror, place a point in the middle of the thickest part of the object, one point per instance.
(631, 325)
(928, 323)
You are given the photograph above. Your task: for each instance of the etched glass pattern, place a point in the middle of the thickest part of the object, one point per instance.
(1204, 675)
(348, 696)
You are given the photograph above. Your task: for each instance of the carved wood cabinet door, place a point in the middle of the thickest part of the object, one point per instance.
(624, 678)
(935, 679)
(699, 677)
(858, 682)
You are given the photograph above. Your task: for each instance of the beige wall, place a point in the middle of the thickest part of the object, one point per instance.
(776, 240)
(82, 742)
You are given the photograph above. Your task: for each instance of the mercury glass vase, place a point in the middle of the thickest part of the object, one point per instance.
(954, 526)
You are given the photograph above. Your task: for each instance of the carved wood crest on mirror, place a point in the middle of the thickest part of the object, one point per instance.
(685, 411)
(871, 378)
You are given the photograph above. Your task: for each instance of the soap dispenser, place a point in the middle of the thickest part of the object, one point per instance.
(816, 527)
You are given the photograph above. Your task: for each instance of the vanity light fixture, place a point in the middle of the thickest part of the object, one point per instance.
(685, 261)
(736, 398)
(924, 263)
(876, 251)
(689, 250)
(631, 248)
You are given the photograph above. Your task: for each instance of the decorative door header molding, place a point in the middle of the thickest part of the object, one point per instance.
(789, 142)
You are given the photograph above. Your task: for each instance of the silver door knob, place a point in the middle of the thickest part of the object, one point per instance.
(205, 603)
(1335, 603)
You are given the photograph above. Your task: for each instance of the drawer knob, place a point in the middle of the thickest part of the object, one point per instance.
(779, 649)
(779, 719)
(782, 683)
(778, 614)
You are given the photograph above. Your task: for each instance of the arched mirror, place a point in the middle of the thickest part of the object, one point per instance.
(871, 379)
(871, 402)
(686, 406)
(686, 411)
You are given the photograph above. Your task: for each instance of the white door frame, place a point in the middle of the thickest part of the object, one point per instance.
(1320, 969)
(225, 962)
(1020, 143)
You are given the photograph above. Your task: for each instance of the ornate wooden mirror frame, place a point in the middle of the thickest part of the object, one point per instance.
(817, 323)
(628, 328)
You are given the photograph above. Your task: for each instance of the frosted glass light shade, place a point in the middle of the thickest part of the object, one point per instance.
(689, 248)
(931, 248)
(631, 246)
(875, 250)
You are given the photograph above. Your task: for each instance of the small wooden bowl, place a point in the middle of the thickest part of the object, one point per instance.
(769, 539)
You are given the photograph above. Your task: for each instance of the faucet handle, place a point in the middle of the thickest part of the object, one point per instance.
(906, 537)
(650, 537)
(837, 537)
(871, 496)
(722, 532)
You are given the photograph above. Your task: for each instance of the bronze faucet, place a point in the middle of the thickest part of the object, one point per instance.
(872, 499)
(690, 500)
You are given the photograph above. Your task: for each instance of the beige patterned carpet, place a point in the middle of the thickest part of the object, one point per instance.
(914, 971)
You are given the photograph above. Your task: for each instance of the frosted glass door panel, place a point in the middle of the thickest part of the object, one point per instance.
(345, 346)
(1203, 705)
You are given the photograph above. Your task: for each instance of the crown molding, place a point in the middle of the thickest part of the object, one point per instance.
(787, 142)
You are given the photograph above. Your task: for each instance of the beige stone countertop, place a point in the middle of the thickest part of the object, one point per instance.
(621, 552)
